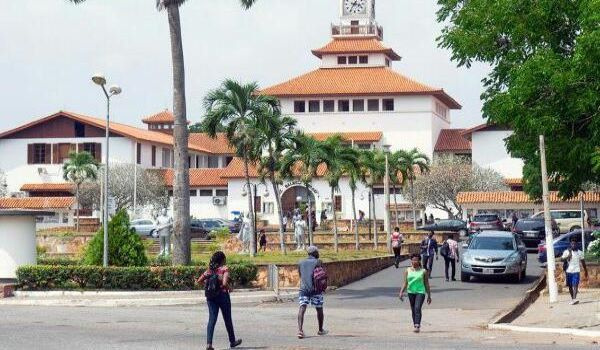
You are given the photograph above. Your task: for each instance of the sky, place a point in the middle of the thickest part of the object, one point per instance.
(49, 49)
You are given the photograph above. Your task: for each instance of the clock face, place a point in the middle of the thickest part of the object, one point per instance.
(355, 6)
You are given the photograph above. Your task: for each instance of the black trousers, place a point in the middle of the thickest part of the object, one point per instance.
(450, 262)
(428, 263)
(222, 302)
(396, 255)
(416, 305)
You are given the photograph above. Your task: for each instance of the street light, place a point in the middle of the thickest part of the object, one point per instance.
(386, 185)
(362, 197)
(253, 190)
(99, 79)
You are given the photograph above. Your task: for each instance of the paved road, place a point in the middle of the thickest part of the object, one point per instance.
(365, 315)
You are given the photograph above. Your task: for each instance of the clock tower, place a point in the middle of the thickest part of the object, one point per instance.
(357, 18)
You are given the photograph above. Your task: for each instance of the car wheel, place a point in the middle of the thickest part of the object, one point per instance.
(464, 277)
(576, 227)
(524, 273)
(154, 234)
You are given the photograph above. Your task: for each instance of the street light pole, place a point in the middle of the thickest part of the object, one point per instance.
(99, 79)
(552, 287)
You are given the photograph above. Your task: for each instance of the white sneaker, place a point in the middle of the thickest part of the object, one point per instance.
(574, 302)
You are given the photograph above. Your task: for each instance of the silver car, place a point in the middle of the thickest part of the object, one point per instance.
(494, 253)
(144, 227)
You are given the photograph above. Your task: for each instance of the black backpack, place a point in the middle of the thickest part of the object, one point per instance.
(212, 287)
(445, 250)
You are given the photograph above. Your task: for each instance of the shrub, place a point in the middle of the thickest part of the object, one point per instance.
(125, 247)
(594, 247)
(40, 250)
(123, 278)
(57, 261)
(161, 260)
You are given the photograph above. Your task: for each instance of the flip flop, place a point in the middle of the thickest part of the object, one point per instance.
(300, 335)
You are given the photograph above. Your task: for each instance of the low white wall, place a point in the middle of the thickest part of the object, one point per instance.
(17, 244)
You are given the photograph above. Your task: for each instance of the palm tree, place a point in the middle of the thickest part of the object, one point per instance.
(396, 178)
(275, 136)
(303, 160)
(240, 109)
(411, 162)
(339, 157)
(372, 171)
(77, 169)
(352, 170)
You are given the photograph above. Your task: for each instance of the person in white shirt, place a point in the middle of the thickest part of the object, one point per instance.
(575, 259)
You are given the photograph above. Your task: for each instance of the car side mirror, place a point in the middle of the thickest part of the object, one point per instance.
(465, 246)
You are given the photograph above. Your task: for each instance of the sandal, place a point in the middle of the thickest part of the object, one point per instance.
(300, 335)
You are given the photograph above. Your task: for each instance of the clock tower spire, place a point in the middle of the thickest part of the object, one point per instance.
(357, 18)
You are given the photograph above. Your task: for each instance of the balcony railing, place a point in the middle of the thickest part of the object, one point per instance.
(359, 30)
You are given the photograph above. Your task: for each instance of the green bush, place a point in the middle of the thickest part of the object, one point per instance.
(161, 260)
(125, 247)
(57, 261)
(123, 278)
(40, 250)
(594, 247)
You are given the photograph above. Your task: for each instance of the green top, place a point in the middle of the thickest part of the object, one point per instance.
(416, 281)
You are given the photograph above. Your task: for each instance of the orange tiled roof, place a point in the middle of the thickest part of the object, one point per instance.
(355, 45)
(37, 203)
(356, 81)
(218, 145)
(161, 117)
(199, 177)
(451, 140)
(117, 128)
(517, 197)
(63, 186)
(360, 136)
(235, 169)
(482, 127)
(513, 181)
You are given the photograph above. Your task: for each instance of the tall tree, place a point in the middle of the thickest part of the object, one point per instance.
(339, 157)
(372, 171)
(411, 163)
(276, 135)
(544, 79)
(80, 167)
(240, 108)
(396, 179)
(303, 161)
(352, 170)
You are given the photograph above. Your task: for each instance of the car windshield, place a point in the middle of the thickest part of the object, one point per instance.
(529, 224)
(492, 243)
(485, 218)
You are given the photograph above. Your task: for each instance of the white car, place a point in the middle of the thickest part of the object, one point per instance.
(144, 227)
(567, 220)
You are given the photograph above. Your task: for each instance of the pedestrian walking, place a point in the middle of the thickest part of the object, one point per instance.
(284, 222)
(361, 215)
(311, 289)
(449, 251)
(514, 218)
(396, 239)
(429, 248)
(216, 288)
(575, 259)
(262, 239)
(416, 284)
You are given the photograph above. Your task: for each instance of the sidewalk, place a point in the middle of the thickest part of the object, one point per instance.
(582, 319)
(136, 298)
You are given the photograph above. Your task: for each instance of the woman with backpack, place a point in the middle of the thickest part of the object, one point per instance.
(216, 288)
(396, 245)
(449, 251)
(416, 284)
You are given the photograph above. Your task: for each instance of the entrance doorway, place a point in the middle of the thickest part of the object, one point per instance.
(289, 198)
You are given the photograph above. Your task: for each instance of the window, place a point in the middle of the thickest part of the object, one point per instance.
(342, 60)
(257, 204)
(388, 104)
(441, 110)
(329, 106)
(299, 106)
(337, 203)
(358, 105)
(363, 59)
(363, 145)
(228, 160)
(38, 153)
(269, 208)
(213, 161)
(153, 155)
(343, 106)
(79, 129)
(138, 153)
(193, 193)
(221, 193)
(387, 62)
(314, 106)
(170, 193)
(65, 218)
(378, 190)
(352, 59)
(206, 193)
(166, 158)
(373, 105)
(189, 162)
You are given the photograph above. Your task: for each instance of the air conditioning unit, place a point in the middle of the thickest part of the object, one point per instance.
(219, 201)
(17, 195)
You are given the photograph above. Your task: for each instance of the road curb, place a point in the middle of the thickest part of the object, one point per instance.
(567, 331)
(101, 293)
(529, 298)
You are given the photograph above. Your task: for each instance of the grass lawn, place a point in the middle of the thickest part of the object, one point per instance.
(293, 257)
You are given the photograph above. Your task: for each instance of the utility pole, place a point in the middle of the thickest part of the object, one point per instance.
(551, 263)
(582, 221)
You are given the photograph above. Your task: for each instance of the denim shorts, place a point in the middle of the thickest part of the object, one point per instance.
(315, 300)
(572, 279)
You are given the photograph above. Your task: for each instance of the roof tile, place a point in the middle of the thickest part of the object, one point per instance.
(452, 140)
(517, 197)
(62, 186)
(355, 45)
(161, 117)
(37, 203)
(218, 145)
(359, 136)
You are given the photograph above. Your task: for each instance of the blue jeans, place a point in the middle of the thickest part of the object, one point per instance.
(416, 304)
(223, 302)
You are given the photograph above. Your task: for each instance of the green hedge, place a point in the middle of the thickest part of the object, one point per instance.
(57, 261)
(122, 278)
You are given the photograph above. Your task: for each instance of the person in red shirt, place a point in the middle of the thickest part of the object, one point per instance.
(396, 239)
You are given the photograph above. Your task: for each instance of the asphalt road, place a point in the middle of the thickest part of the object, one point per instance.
(364, 315)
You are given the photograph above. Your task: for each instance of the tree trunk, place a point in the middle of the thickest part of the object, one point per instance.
(375, 237)
(335, 229)
(250, 207)
(181, 185)
(396, 205)
(414, 210)
(355, 221)
(310, 231)
(77, 209)
(279, 213)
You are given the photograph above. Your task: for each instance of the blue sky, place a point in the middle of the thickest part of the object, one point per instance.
(50, 49)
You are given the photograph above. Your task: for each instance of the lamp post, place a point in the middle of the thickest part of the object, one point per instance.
(253, 192)
(99, 79)
(386, 185)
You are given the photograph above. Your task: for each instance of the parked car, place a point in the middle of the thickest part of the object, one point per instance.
(562, 243)
(197, 230)
(567, 220)
(144, 227)
(446, 225)
(211, 224)
(486, 222)
(233, 226)
(533, 230)
(494, 253)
